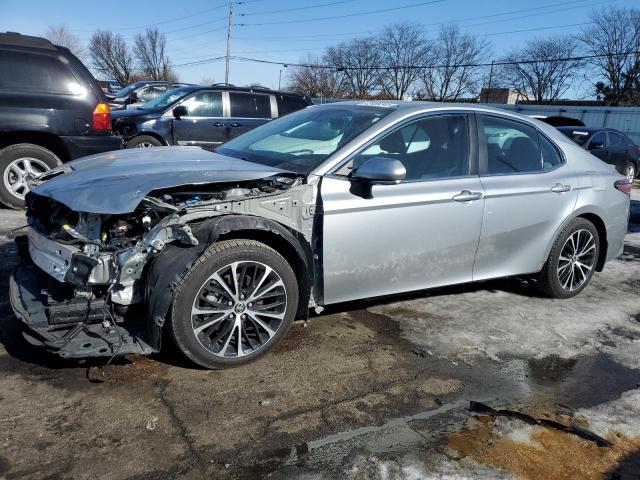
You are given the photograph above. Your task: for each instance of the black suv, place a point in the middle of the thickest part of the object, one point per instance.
(141, 92)
(202, 116)
(51, 110)
(610, 146)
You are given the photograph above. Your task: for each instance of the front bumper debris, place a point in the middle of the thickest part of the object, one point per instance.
(54, 325)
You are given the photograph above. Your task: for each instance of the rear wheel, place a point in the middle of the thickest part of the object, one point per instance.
(236, 303)
(143, 141)
(18, 164)
(572, 260)
(630, 171)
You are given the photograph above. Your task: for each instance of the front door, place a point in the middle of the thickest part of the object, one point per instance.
(420, 233)
(529, 192)
(204, 124)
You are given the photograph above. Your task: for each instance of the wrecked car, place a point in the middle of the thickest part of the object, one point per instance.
(221, 251)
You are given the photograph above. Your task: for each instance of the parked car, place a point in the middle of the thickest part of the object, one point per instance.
(138, 93)
(610, 146)
(109, 86)
(51, 110)
(223, 250)
(202, 116)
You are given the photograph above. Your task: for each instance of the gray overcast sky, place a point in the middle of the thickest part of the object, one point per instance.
(285, 30)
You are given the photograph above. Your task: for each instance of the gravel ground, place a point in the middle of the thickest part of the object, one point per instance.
(366, 390)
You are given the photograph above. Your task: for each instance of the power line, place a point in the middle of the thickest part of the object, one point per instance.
(200, 33)
(266, 12)
(317, 19)
(196, 26)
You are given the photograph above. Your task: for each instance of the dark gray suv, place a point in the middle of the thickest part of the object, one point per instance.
(51, 110)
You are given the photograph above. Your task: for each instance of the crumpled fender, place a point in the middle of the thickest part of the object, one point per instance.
(167, 269)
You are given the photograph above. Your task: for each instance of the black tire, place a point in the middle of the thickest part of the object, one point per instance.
(549, 282)
(630, 166)
(215, 258)
(12, 155)
(143, 141)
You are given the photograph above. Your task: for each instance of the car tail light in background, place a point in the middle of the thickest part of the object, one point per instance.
(623, 185)
(102, 117)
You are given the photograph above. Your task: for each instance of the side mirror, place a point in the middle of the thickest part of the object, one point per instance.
(596, 145)
(380, 170)
(180, 111)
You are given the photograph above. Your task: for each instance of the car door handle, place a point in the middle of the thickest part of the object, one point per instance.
(467, 196)
(236, 124)
(218, 124)
(559, 188)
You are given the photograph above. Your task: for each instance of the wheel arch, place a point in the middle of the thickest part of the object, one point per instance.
(155, 135)
(51, 142)
(167, 269)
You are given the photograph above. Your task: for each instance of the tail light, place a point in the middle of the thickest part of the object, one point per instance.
(102, 117)
(623, 185)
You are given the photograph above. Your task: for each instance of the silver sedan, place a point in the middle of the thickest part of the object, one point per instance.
(326, 205)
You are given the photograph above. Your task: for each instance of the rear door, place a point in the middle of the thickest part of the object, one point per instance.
(598, 146)
(618, 151)
(204, 125)
(529, 194)
(247, 111)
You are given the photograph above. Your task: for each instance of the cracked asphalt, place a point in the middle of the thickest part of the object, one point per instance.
(365, 390)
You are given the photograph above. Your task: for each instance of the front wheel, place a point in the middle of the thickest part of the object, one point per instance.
(237, 302)
(630, 171)
(143, 141)
(572, 260)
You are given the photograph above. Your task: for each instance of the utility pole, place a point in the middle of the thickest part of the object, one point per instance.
(226, 70)
(490, 82)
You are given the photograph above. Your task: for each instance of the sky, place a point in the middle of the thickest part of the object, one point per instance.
(287, 31)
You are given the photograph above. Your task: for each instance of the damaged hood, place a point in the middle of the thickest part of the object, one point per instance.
(116, 182)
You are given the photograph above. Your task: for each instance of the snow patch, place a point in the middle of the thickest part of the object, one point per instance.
(620, 415)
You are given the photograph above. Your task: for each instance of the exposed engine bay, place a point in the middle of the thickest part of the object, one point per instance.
(98, 292)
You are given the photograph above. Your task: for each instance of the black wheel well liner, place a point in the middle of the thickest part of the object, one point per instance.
(166, 270)
(602, 234)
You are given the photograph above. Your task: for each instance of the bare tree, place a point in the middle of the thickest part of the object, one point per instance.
(316, 81)
(149, 49)
(61, 35)
(613, 33)
(403, 47)
(359, 61)
(539, 73)
(452, 72)
(111, 57)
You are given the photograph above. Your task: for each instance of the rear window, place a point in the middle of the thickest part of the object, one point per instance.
(31, 72)
(577, 135)
(288, 104)
(249, 105)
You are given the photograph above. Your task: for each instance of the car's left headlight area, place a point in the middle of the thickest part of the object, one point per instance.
(80, 286)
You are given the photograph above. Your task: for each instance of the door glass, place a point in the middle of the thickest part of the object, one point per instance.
(36, 73)
(248, 105)
(600, 138)
(289, 104)
(616, 140)
(150, 92)
(512, 147)
(204, 104)
(430, 148)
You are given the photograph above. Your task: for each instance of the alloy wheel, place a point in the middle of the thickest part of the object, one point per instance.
(145, 145)
(18, 172)
(239, 309)
(630, 173)
(577, 259)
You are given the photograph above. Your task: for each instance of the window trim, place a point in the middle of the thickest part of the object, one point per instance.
(483, 152)
(472, 137)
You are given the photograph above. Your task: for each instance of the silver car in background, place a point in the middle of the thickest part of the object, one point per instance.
(329, 204)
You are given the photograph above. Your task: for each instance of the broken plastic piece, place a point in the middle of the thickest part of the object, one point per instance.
(478, 407)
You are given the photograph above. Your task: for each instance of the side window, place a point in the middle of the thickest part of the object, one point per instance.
(36, 73)
(150, 92)
(600, 138)
(204, 104)
(248, 105)
(289, 104)
(512, 147)
(430, 148)
(616, 140)
(551, 157)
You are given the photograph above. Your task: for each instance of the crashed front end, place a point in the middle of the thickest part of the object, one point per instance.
(82, 287)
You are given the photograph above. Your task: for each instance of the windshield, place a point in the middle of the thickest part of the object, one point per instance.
(127, 90)
(577, 135)
(301, 141)
(166, 98)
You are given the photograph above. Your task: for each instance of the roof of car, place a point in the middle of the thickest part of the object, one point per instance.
(587, 129)
(19, 40)
(256, 89)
